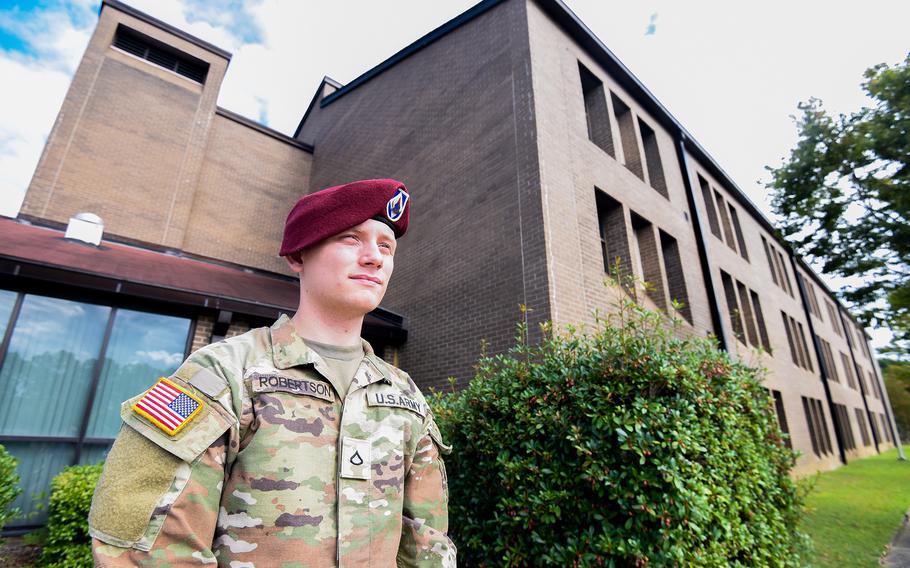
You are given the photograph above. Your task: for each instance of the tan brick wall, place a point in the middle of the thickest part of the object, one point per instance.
(248, 183)
(129, 139)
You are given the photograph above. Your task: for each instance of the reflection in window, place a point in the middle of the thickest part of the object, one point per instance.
(47, 371)
(142, 348)
(7, 301)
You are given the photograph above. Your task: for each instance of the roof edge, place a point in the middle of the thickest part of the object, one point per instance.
(326, 80)
(127, 9)
(250, 123)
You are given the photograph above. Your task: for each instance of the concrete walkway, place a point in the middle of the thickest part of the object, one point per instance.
(899, 555)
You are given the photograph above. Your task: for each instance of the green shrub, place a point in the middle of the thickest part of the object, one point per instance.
(9, 486)
(68, 543)
(622, 445)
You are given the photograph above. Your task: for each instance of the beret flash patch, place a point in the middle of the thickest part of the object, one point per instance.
(168, 406)
(394, 209)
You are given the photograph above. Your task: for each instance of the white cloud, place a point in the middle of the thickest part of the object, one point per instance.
(161, 356)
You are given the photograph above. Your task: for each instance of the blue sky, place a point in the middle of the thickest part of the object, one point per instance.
(732, 73)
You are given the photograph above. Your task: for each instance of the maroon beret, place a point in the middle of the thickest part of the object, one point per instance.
(327, 212)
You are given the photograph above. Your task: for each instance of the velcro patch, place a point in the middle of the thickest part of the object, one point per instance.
(261, 382)
(168, 406)
(397, 400)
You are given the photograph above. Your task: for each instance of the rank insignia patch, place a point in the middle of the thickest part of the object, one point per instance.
(168, 406)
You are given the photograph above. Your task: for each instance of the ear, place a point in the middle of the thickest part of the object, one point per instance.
(295, 262)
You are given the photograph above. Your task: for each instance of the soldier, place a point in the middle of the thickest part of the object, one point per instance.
(293, 445)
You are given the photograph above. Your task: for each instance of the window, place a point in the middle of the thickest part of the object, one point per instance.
(828, 360)
(614, 241)
(885, 428)
(725, 220)
(646, 239)
(673, 268)
(626, 122)
(732, 306)
(652, 159)
(813, 300)
(875, 386)
(781, 416)
(861, 424)
(739, 233)
(710, 206)
(784, 273)
(160, 54)
(818, 430)
(848, 370)
(771, 266)
(797, 339)
(748, 317)
(842, 418)
(760, 319)
(596, 112)
(832, 315)
(67, 367)
(875, 431)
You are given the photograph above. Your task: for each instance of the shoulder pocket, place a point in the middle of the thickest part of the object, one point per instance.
(206, 426)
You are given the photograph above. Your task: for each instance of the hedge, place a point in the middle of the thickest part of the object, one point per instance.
(625, 444)
(9, 486)
(68, 543)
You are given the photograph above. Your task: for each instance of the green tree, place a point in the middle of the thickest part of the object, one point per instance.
(897, 383)
(844, 196)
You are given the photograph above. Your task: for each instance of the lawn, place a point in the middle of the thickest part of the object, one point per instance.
(854, 511)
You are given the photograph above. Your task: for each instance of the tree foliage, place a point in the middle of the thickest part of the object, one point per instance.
(844, 196)
(897, 382)
(623, 446)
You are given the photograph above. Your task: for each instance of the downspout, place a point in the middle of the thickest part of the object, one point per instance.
(822, 364)
(720, 330)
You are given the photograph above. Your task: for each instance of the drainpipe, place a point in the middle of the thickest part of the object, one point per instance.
(822, 364)
(720, 330)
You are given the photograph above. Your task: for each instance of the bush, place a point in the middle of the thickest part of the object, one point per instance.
(625, 445)
(68, 543)
(9, 486)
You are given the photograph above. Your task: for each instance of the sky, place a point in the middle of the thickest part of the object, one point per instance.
(731, 73)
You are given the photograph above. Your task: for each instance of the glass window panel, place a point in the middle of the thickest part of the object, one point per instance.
(142, 347)
(7, 300)
(93, 453)
(47, 371)
(38, 464)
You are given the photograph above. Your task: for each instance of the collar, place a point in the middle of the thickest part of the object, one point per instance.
(289, 350)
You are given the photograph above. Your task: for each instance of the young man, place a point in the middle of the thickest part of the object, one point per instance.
(293, 445)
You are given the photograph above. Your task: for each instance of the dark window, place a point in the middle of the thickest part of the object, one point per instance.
(861, 424)
(809, 410)
(791, 339)
(784, 273)
(781, 416)
(160, 54)
(843, 420)
(760, 319)
(725, 220)
(732, 306)
(825, 437)
(710, 206)
(804, 345)
(614, 240)
(848, 370)
(626, 123)
(828, 360)
(673, 268)
(596, 111)
(650, 260)
(832, 315)
(652, 159)
(739, 233)
(771, 266)
(748, 316)
(885, 428)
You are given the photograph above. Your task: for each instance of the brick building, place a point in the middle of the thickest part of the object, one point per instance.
(535, 159)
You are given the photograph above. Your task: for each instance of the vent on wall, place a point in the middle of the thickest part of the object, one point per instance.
(160, 54)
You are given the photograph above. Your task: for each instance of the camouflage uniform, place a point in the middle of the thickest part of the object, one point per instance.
(276, 469)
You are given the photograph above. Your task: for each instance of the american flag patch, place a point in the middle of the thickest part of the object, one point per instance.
(168, 406)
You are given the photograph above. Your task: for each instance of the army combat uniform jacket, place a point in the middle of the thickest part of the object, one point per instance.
(264, 464)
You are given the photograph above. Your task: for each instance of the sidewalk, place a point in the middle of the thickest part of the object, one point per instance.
(899, 554)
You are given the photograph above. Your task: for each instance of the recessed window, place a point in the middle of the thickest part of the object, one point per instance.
(626, 123)
(861, 424)
(676, 280)
(646, 239)
(710, 206)
(781, 416)
(160, 54)
(652, 159)
(739, 233)
(842, 418)
(596, 112)
(725, 219)
(614, 241)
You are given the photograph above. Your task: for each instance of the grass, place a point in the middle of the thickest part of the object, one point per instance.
(854, 511)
